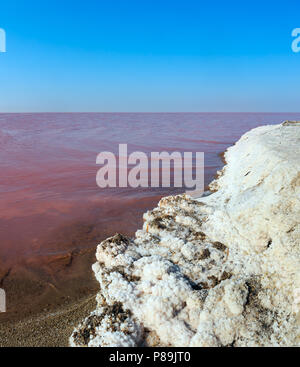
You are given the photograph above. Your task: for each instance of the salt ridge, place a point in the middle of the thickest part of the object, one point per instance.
(222, 270)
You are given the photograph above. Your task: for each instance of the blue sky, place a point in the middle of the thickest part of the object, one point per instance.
(149, 55)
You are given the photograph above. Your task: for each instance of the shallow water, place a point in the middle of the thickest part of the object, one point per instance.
(49, 200)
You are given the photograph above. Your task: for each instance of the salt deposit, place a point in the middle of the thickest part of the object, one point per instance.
(222, 270)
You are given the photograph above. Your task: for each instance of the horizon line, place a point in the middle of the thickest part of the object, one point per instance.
(148, 112)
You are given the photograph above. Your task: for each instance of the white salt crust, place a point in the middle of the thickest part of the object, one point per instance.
(222, 270)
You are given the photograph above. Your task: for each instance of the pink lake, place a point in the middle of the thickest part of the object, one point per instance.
(49, 200)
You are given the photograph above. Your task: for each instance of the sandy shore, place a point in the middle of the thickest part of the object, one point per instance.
(47, 329)
(46, 298)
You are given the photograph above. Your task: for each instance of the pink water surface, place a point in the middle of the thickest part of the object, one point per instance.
(48, 171)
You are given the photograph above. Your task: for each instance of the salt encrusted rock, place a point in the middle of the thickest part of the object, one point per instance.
(108, 326)
(290, 123)
(222, 270)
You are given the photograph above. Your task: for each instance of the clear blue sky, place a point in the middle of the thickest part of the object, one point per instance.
(149, 55)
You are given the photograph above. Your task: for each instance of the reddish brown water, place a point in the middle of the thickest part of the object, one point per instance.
(49, 200)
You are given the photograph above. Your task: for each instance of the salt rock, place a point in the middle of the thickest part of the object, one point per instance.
(222, 270)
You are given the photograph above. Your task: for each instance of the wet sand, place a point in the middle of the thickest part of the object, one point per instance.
(46, 298)
(47, 329)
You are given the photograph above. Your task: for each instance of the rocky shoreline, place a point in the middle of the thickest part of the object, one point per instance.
(222, 270)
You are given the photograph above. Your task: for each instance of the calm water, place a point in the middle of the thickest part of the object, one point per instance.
(49, 200)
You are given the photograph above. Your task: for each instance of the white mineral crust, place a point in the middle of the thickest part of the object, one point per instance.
(222, 270)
